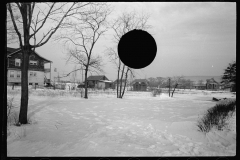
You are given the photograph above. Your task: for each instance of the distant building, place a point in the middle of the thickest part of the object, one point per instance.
(199, 86)
(36, 71)
(140, 85)
(100, 82)
(66, 85)
(211, 84)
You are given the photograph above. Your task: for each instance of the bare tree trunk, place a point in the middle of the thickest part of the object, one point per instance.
(125, 83)
(121, 82)
(118, 77)
(24, 85)
(86, 83)
(174, 89)
(169, 86)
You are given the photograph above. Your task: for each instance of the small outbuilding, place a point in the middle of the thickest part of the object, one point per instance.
(140, 85)
(211, 84)
(99, 82)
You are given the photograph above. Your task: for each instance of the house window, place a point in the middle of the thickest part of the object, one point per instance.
(31, 62)
(11, 73)
(36, 83)
(31, 74)
(17, 62)
(30, 83)
(18, 74)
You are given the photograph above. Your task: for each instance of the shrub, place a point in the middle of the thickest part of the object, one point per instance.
(12, 116)
(156, 92)
(9, 109)
(217, 116)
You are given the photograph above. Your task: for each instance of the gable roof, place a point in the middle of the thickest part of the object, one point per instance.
(212, 80)
(11, 51)
(101, 77)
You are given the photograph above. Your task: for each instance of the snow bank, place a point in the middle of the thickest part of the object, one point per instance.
(164, 96)
(189, 129)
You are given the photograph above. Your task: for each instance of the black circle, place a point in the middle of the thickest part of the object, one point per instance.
(137, 49)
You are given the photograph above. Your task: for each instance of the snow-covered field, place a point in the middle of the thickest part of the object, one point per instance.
(137, 125)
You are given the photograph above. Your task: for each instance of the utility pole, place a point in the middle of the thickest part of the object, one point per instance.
(55, 70)
(54, 82)
(169, 85)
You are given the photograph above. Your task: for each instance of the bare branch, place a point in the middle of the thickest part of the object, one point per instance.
(44, 20)
(14, 24)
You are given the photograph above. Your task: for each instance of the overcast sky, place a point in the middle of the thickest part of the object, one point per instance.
(193, 39)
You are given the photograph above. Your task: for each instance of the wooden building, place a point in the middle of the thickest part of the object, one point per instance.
(199, 86)
(211, 84)
(140, 85)
(99, 82)
(36, 71)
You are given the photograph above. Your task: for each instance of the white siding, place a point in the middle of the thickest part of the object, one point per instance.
(39, 78)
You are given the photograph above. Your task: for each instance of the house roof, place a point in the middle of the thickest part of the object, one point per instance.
(212, 81)
(11, 51)
(101, 77)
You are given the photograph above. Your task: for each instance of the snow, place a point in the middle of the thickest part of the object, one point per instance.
(137, 125)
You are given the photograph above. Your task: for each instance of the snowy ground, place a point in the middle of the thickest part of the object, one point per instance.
(137, 125)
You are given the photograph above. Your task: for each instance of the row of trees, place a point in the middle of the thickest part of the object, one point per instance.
(79, 25)
(161, 82)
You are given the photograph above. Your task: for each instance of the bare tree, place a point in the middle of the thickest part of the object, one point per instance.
(81, 34)
(176, 81)
(126, 77)
(30, 21)
(160, 81)
(113, 56)
(153, 82)
(126, 22)
(74, 77)
(11, 33)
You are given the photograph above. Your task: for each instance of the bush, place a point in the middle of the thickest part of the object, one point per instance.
(217, 116)
(12, 115)
(156, 92)
(9, 109)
